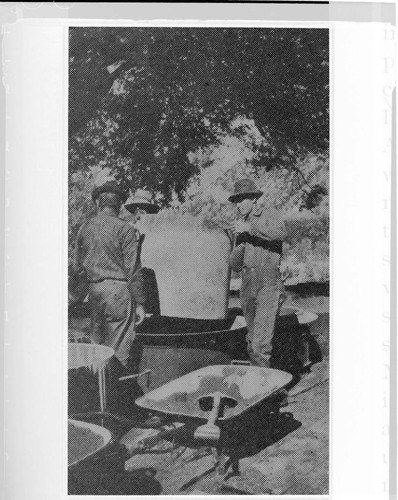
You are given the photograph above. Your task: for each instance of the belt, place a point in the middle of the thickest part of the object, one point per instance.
(109, 279)
(274, 246)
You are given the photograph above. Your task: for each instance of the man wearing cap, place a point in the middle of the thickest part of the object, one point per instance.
(142, 203)
(257, 254)
(107, 251)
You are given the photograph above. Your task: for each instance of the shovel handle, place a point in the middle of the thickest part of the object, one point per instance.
(215, 410)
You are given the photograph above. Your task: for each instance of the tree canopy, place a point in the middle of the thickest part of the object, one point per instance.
(142, 99)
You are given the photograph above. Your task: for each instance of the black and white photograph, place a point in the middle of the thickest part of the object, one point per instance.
(198, 260)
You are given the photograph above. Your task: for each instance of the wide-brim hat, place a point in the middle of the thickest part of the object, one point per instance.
(244, 188)
(110, 187)
(144, 200)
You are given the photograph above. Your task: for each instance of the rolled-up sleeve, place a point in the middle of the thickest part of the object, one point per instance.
(269, 226)
(130, 248)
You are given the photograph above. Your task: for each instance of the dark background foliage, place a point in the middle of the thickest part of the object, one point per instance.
(153, 95)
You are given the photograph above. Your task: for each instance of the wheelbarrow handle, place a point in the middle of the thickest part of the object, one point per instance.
(213, 415)
(146, 373)
(240, 362)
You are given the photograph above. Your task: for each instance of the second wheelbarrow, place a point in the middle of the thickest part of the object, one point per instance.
(216, 394)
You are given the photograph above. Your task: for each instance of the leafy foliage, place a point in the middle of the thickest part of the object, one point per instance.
(143, 99)
(306, 252)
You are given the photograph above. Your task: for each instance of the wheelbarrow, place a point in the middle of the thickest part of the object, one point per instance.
(96, 463)
(86, 441)
(212, 398)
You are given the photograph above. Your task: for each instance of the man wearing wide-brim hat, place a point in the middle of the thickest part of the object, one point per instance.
(142, 200)
(142, 203)
(257, 254)
(107, 252)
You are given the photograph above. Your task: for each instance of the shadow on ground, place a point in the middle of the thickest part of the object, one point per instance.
(105, 475)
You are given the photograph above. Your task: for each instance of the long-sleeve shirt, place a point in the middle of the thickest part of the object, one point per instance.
(107, 248)
(262, 245)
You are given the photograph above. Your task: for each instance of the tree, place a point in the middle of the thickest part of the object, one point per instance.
(143, 99)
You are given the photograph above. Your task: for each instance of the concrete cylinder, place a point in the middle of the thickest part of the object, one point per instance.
(191, 262)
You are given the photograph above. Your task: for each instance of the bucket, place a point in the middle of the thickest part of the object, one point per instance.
(87, 364)
(167, 346)
(191, 262)
(171, 347)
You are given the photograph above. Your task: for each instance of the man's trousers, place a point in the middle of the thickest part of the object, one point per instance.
(260, 300)
(112, 317)
(112, 324)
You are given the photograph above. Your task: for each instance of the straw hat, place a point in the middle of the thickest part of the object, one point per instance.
(244, 188)
(142, 199)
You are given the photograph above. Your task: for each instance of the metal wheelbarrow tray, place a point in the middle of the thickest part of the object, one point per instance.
(86, 441)
(249, 385)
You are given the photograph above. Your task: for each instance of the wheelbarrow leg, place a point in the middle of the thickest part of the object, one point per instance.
(102, 389)
(235, 466)
(227, 464)
(220, 460)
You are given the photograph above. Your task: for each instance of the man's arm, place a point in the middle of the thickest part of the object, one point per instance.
(132, 266)
(77, 276)
(269, 226)
(78, 257)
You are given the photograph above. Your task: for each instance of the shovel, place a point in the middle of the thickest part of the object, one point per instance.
(214, 403)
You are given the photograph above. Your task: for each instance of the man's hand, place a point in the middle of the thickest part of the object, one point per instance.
(240, 226)
(139, 314)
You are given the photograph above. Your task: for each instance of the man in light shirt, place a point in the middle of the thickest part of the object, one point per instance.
(257, 255)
